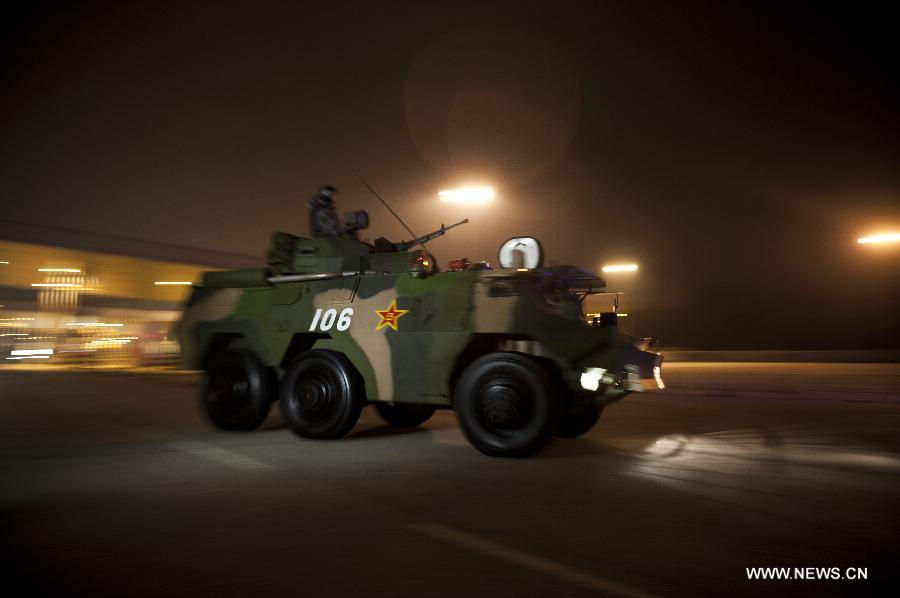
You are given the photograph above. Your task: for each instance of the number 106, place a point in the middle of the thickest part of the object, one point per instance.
(325, 321)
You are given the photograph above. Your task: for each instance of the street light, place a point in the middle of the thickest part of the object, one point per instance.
(620, 268)
(467, 195)
(880, 239)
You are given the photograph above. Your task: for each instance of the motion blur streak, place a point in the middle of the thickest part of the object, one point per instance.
(33, 352)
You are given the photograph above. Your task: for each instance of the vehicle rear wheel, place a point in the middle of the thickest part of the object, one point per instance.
(505, 405)
(321, 395)
(239, 390)
(405, 415)
(573, 425)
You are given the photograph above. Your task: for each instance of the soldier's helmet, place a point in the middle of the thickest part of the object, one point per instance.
(326, 193)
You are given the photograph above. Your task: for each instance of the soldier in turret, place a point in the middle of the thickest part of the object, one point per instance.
(324, 220)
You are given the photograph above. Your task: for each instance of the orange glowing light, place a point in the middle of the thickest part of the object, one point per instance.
(620, 268)
(389, 316)
(879, 239)
(467, 195)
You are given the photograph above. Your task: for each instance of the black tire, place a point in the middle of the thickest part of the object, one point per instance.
(573, 425)
(239, 390)
(405, 415)
(505, 405)
(321, 395)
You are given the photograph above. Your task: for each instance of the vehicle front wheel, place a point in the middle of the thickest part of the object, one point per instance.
(321, 395)
(239, 390)
(505, 404)
(405, 415)
(573, 425)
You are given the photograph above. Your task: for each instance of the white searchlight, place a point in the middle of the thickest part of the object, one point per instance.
(521, 253)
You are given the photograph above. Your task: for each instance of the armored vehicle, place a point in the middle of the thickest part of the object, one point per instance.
(332, 324)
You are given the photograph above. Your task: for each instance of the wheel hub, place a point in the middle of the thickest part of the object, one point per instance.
(503, 407)
(229, 391)
(313, 397)
(229, 388)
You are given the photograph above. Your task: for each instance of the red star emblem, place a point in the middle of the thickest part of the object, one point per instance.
(389, 316)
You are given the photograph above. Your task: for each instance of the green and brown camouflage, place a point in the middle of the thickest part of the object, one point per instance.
(408, 330)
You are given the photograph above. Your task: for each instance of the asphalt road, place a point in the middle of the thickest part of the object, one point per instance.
(113, 484)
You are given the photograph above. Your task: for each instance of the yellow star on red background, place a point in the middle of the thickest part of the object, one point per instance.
(389, 316)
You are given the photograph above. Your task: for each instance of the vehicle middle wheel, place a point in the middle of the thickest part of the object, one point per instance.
(321, 395)
(405, 415)
(505, 404)
(239, 390)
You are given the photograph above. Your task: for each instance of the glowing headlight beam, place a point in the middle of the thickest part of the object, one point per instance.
(70, 270)
(620, 268)
(657, 375)
(172, 283)
(467, 195)
(879, 239)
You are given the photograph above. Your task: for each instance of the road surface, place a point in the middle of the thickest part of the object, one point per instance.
(113, 484)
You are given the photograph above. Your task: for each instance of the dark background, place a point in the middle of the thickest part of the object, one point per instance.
(736, 152)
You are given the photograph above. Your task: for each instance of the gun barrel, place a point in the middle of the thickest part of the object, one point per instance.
(403, 246)
(461, 222)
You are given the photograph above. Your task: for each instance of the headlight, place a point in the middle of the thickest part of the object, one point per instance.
(590, 378)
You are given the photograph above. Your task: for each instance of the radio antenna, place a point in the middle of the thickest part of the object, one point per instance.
(375, 193)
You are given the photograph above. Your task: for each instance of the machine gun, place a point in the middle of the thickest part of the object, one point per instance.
(383, 245)
(405, 245)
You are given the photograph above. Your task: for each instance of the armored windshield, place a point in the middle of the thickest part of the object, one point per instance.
(559, 290)
(562, 290)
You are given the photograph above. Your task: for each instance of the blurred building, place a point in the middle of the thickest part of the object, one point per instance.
(71, 296)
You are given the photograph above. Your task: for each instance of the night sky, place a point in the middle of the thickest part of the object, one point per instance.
(735, 152)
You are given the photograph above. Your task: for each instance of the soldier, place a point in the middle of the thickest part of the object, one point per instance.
(323, 215)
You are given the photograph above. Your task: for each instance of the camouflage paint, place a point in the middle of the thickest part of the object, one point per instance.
(442, 314)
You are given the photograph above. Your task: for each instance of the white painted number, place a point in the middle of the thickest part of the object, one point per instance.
(315, 320)
(327, 321)
(344, 319)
